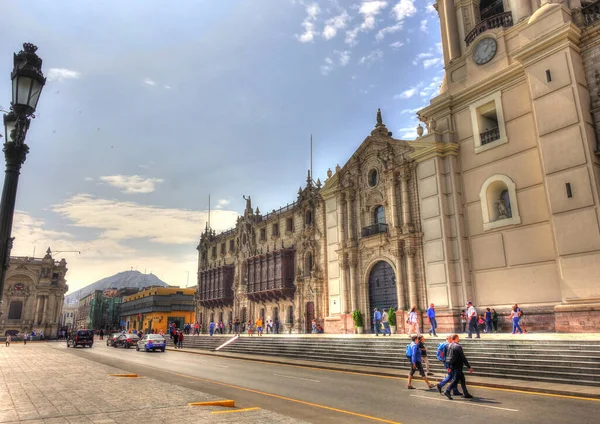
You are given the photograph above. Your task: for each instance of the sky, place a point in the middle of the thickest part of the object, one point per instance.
(150, 106)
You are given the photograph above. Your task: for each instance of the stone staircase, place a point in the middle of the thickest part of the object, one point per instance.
(556, 361)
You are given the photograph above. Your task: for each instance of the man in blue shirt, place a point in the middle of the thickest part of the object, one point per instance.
(416, 364)
(377, 321)
(432, 321)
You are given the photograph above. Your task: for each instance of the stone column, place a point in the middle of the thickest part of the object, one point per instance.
(399, 280)
(353, 262)
(451, 27)
(350, 218)
(407, 226)
(520, 9)
(410, 270)
(36, 315)
(345, 302)
(393, 201)
(45, 310)
(341, 209)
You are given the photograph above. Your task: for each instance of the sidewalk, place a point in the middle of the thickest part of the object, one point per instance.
(39, 384)
(473, 379)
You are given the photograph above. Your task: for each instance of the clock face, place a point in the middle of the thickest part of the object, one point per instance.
(484, 51)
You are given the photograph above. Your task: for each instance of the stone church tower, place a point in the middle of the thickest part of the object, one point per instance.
(512, 214)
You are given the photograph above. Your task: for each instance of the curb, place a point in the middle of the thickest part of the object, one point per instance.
(473, 382)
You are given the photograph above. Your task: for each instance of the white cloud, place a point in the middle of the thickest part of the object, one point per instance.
(62, 74)
(132, 184)
(88, 179)
(404, 9)
(428, 63)
(388, 30)
(433, 88)
(408, 133)
(343, 57)
(149, 81)
(327, 67)
(369, 10)
(332, 25)
(397, 45)
(420, 57)
(168, 87)
(423, 26)
(407, 94)
(412, 111)
(312, 11)
(431, 9)
(374, 56)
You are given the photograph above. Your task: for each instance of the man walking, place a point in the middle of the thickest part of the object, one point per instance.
(456, 360)
(472, 318)
(442, 353)
(211, 327)
(386, 325)
(259, 326)
(377, 321)
(8, 340)
(416, 364)
(432, 321)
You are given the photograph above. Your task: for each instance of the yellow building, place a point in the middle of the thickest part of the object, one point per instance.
(154, 308)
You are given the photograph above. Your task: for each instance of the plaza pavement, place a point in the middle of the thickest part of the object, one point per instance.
(39, 384)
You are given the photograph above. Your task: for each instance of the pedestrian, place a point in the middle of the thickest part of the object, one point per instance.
(432, 320)
(515, 316)
(270, 325)
(8, 339)
(456, 360)
(211, 327)
(180, 340)
(521, 319)
(377, 321)
(463, 320)
(495, 320)
(314, 326)
(472, 317)
(175, 337)
(488, 320)
(386, 324)
(424, 358)
(442, 352)
(259, 326)
(196, 329)
(101, 334)
(249, 327)
(25, 337)
(413, 322)
(276, 325)
(221, 326)
(415, 361)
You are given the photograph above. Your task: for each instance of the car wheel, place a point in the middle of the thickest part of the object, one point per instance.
(91, 345)
(137, 348)
(162, 350)
(147, 350)
(127, 346)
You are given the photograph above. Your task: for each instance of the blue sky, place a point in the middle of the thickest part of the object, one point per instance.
(152, 105)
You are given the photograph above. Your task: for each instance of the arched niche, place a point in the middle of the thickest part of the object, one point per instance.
(499, 205)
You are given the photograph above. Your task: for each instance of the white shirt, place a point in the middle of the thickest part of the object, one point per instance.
(412, 317)
(471, 312)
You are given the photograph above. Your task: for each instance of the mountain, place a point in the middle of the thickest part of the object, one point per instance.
(119, 281)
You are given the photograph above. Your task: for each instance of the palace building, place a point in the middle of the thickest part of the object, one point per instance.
(34, 292)
(496, 202)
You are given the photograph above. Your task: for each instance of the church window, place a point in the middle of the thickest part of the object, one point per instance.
(308, 263)
(231, 246)
(308, 217)
(373, 177)
(499, 202)
(489, 8)
(263, 234)
(214, 251)
(290, 315)
(275, 230)
(569, 190)
(15, 310)
(289, 225)
(379, 215)
(488, 123)
(222, 248)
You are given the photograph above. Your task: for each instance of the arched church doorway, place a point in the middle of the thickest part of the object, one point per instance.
(382, 288)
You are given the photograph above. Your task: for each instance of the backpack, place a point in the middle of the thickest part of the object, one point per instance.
(441, 351)
(408, 353)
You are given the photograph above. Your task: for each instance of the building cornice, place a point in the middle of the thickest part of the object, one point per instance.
(568, 35)
(426, 150)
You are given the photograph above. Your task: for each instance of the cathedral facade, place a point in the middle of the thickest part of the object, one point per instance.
(496, 202)
(33, 295)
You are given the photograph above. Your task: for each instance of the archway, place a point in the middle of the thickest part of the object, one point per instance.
(382, 288)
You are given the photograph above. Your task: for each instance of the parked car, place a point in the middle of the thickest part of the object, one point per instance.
(81, 338)
(152, 342)
(110, 340)
(126, 340)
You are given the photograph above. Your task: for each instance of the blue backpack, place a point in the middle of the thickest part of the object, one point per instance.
(441, 351)
(408, 353)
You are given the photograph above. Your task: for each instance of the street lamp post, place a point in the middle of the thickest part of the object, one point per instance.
(27, 83)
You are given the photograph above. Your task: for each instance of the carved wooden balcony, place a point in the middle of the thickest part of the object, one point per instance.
(591, 13)
(371, 230)
(500, 20)
(490, 136)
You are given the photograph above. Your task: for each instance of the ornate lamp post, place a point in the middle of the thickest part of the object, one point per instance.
(27, 83)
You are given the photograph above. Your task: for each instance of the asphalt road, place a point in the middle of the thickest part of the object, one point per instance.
(322, 396)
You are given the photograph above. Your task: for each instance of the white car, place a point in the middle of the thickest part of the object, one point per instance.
(151, 342)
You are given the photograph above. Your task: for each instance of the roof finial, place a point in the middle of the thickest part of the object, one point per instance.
(379, 120)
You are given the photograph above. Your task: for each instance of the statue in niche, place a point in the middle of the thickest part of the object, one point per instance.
(503, 205)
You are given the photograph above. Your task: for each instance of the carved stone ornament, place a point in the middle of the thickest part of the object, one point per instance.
(420, 130)
(410, 250)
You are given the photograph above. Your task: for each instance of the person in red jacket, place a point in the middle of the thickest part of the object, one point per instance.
(180, 340)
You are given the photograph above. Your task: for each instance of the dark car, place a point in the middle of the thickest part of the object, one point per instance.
(81, 338)
(110, 340)
(126, 340)
(151, 342)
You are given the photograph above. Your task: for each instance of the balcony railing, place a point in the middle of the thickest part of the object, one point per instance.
(371, 230)
(489, 136)
(500, 20)
(591, 13)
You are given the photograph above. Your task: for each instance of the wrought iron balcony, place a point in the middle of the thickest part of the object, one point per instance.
(591, 13)
(500, 20)
(489, 136)
(371, 230)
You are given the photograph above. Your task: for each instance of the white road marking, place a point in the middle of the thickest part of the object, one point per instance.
(297, 378)
(220, 366)
(465, 403)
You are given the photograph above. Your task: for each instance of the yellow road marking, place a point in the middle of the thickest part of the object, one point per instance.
(256, 408)
(368, 374)
(228, 403)
(123, 375)
(316, 405)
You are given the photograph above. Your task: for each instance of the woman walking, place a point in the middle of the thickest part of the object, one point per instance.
(175, 337)
(488, 320)
(495, 320)
(463, 320)
(515, 316)
(413, 322)
(7, 340)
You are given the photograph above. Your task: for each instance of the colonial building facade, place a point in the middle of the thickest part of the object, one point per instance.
(496, 202)
(33, 295)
